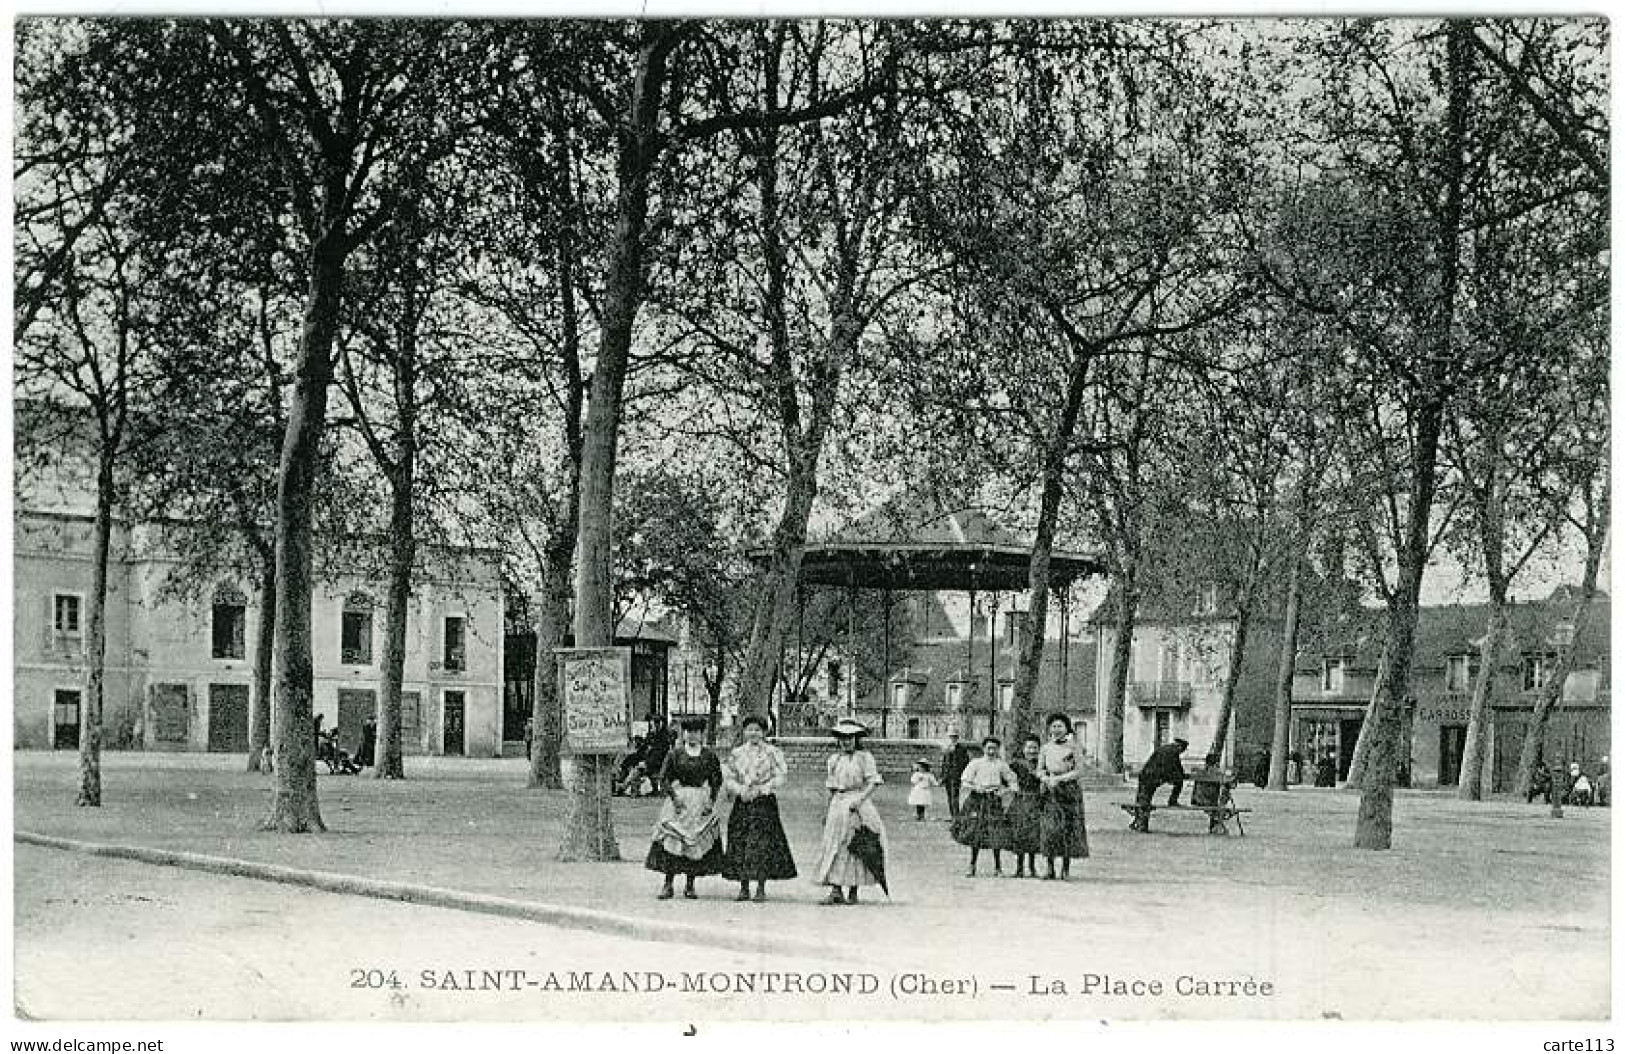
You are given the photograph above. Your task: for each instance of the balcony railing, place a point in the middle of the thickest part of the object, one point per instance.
(1175, 694)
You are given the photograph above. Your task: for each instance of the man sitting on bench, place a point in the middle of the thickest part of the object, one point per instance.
(1163, 766)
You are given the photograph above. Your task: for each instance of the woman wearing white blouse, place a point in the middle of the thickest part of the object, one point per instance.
(981, 823)
(757, 847)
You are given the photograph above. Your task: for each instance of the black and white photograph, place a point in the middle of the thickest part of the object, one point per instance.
(810, 521)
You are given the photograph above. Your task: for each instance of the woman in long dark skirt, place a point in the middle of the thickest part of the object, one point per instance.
(1026, 809)
(982, 823)
(687, 837)
(757, 848)
(1060, 831)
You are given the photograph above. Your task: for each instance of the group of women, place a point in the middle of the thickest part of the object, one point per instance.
(1031, 805)
(689, 839)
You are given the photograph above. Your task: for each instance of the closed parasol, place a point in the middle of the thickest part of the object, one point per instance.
(865, 845)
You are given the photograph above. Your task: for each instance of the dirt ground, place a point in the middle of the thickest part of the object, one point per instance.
(1457, 921)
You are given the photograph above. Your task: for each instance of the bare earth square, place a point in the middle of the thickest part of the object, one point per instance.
(1460, 920)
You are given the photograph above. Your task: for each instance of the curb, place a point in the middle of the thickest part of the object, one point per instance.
(730, 938)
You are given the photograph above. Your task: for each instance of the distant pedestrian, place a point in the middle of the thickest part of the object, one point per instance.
(687, 836)
(1540, 783)
(1026, 809)
(852, 778)
(757, 848)
(1261, 771)
(1294, 768)
(366, 752)
(954, 760)
(982, 823)
(921, 785)
(656, 745)
(1579, 786)
(1326, 769)
(1061, 830)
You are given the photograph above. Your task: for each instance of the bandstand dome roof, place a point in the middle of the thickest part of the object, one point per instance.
(907, 545)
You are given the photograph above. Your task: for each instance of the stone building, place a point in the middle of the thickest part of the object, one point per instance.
(1333, 685)
(179, 664)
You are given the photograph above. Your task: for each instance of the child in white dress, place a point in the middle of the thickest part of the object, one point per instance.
(920, 794)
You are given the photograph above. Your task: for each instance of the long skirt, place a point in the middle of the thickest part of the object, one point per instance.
(836, 865)
(1060, 827)
(982, 823)
(757, 847)
(1024, 815)
(687, 834)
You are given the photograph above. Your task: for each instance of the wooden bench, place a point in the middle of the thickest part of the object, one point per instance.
(1219, 816)
(1216, 801)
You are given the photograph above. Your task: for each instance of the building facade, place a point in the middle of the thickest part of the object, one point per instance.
(179, 668)
(957, 672)
(1179, 663)
(1333, 687)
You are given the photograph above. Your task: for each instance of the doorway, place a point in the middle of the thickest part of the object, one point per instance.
(228, 718)
(452, 706)
(356, 707)
(1348, 734)
(65, 719)
(1452, 744)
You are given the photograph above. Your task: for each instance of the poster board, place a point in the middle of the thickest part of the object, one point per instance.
(595, 691)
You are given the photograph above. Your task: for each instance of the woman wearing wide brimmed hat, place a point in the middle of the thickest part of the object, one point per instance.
(687, 835)
(757, 847)
(852, 777)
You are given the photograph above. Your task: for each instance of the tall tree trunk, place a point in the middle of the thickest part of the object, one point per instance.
(1551, 695)
(553, 606)
(552, 619)
(590, 825)
(1374, 825)
(388, 752)
(259, 704)
(775, 606)
(1470, 786)
(1359, 764)
(1111, 719)
(1285, 671)
(1238, 652)
(294, 804)
(90, 721)
(1031, 661)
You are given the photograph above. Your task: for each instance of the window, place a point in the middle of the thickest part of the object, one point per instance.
(1331, 675)
(355, 630)
(1007, 696)
(956, 694)
(230, 623)
(1171, 658)
(66, 614)
(1207, 599)
(1536, 668)
(1162, 728)
(1015, 626)
(67, 620)
(456, 643)
(832, 676)
(1458, 673)
(899, 696)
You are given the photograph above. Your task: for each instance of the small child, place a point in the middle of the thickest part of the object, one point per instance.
(920, 795)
